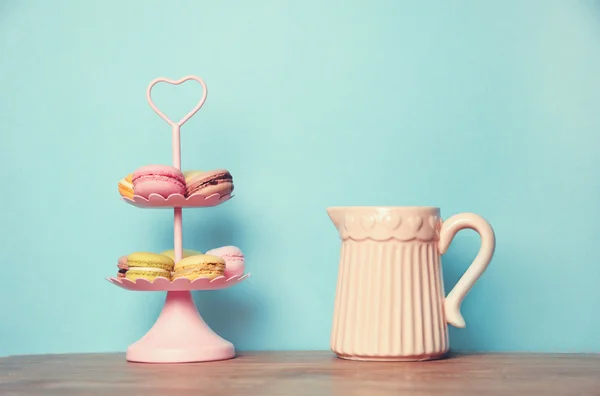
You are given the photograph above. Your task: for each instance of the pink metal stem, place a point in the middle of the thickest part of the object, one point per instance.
(176, 147)
(176, 126)
(178, 234)
(178, 215)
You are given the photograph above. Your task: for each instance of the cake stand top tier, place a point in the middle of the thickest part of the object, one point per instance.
(177, 200)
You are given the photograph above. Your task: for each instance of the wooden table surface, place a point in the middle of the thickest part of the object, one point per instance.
(302, 373)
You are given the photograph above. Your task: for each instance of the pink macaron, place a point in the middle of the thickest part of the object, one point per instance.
(123, 267)
(234, 259)
(158, 179)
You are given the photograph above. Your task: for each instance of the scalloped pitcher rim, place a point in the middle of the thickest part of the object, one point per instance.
(385, 207)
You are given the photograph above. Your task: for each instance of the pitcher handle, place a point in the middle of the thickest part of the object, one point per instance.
(488, 244)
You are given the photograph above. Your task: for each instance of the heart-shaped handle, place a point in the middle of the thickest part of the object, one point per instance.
(173, 82)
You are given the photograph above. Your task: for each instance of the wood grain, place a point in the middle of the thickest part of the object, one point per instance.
(302, 373)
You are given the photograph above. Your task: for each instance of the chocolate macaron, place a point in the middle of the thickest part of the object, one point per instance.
(208, 183)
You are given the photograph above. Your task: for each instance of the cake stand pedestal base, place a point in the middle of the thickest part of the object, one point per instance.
(180, 335)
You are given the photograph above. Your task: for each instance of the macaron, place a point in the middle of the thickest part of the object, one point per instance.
(158, 179)
(199, 266)
(126, 186)
(123, 267)
(144, 265)
(208, 183)
(186, 253)
(234, 259)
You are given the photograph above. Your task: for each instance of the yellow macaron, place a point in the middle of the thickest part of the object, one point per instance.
(186, 253)
(126, 186)
(147, 273)
(148, 266)
(199, 266)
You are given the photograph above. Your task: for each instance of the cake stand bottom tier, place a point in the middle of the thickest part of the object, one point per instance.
(180, 335)
(180, 352)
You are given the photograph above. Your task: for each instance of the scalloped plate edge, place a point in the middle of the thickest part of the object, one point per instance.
(157, 197)
(125, 281)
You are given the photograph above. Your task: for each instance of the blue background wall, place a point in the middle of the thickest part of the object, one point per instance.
(490, 107)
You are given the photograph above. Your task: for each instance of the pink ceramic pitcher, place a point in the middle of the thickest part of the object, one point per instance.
(390, 302)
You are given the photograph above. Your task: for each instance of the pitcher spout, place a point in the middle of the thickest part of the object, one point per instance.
(336, 215)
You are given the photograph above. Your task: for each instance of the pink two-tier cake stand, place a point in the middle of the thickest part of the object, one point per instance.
(179, 334)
